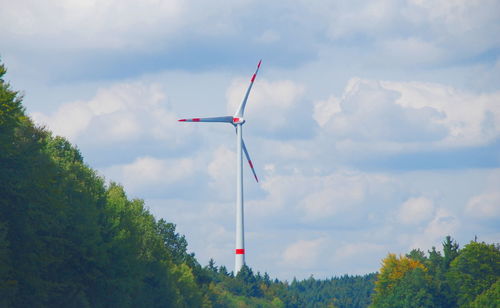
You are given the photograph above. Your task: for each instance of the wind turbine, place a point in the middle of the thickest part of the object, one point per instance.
(237, 121)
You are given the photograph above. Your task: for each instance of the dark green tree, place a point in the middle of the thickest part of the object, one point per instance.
(474, 271)
(418, 255)
(489, 298)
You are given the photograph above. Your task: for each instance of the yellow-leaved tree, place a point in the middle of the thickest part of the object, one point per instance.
(392, 276)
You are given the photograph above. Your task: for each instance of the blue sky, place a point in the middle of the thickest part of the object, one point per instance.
(373, 125)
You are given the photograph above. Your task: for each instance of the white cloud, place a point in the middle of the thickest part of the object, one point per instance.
(324, 110)
(303, 253)
(461, 25)
(395, 32)
(222, 171)
(219, 167)
(365, 254)
(470, 118)
(412, 51)
(409, 115)
(333, 194)
(370, 113)
(458, 28)
(149, 174)
(273, 107)
(70, 25)
(416, 210)
(268, 36)
(484, 206)
(309, 198)
(123, 112)
(285, 150)
(444, 223)
(371, 18)
(279, 190)
(354, 251)
(69, 120)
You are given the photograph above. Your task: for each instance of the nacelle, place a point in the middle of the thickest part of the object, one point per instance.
(238, 120)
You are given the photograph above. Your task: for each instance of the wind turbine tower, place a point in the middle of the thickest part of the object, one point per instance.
(237, 121)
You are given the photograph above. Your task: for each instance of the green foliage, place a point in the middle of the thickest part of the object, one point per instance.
(344, 291)
(418, 255)
(474, 270)
(222, 298)
(450, 250)
(176, 244)
(255, 290)
(458, 278)
(247, 283)
(11, 112)
(7, 285)
(489, 298)
(412, 290)
(190, 294)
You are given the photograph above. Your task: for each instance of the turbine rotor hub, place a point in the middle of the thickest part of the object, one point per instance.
(238, 120)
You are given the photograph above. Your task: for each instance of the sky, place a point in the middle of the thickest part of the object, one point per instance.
(374, 126)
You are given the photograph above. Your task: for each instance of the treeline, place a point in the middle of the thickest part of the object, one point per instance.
(255, 290)
(467, 277)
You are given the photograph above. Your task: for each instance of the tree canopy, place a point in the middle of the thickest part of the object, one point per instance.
(467, 277)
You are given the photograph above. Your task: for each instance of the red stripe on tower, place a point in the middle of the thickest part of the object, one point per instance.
(240, 251)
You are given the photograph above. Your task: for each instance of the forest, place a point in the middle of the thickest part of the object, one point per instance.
(68, 238)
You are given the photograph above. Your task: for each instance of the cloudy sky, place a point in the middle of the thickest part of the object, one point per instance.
(374, 126)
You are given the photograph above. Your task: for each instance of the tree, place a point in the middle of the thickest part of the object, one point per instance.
(248, 282)
(418, 255)
(187, 287)
(489, 298)
(393, 271)
(412, 291)
(211, 266)
(474, 270)
(11, 117)
(175, 243)
(450, 251)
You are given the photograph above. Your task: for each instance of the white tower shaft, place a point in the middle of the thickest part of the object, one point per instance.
(240, 239)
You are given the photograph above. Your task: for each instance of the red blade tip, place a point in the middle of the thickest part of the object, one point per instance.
(182, 120)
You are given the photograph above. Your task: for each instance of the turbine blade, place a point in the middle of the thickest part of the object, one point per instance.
(228, 119)
(249, 160)
(241, 110)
